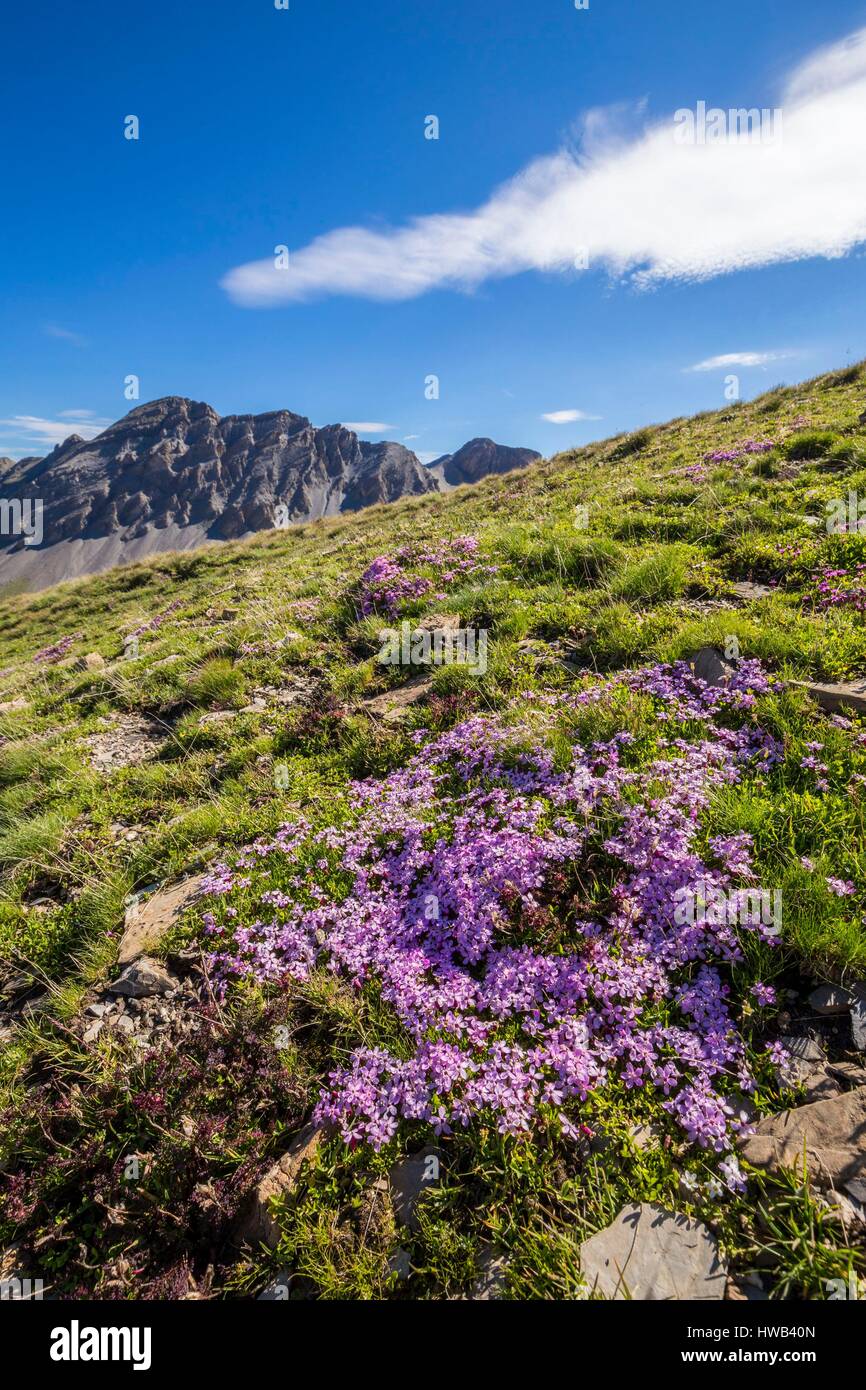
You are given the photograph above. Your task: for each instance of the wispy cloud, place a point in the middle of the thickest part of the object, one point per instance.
(567, 417)
(641, 206)
(739, 359)
(34, 431)
(367, 426)
(56, 330)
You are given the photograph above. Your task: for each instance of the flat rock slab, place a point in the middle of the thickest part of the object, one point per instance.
(834, 697)
(149, 919)
(745, 589)
(391, 704)
(9, 706)
(651, 1254)
(832, 1133)
(128, 742)
(848, 1072)
(256, 1225)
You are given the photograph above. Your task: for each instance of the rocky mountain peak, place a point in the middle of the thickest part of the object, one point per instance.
(173, 474)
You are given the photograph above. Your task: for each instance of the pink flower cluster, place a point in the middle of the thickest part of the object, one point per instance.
(438, 890)
(416, 570)
(749, 446)
(49, 655)
(841, 588)
(155, 623)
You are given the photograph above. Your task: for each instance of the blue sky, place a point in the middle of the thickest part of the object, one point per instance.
(261, 127)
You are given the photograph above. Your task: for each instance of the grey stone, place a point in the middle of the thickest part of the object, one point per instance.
(278, 1289)
(255, 1224)
(491, 1283)
(858, 1022)
(91, 661)
(400, 1264)
(806, 1057)
(710, 666)
(409, 1180)
(142, 978)
(745, 589)
(746, 1288)
(645, 1136)
(831, 999)
(648, 1253)
(856, 1187)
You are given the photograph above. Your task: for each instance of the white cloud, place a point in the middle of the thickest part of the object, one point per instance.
(33, 430)
(76, 414)
(56, 330)
(566, 417)
(640, 206)
(738, 359)
(367, 426)
(411, 436)
(426, 456)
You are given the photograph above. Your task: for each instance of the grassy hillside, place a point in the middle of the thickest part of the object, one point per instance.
(529, 812)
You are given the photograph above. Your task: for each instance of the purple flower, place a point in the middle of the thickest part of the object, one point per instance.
(764, 994)
(842, 887)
